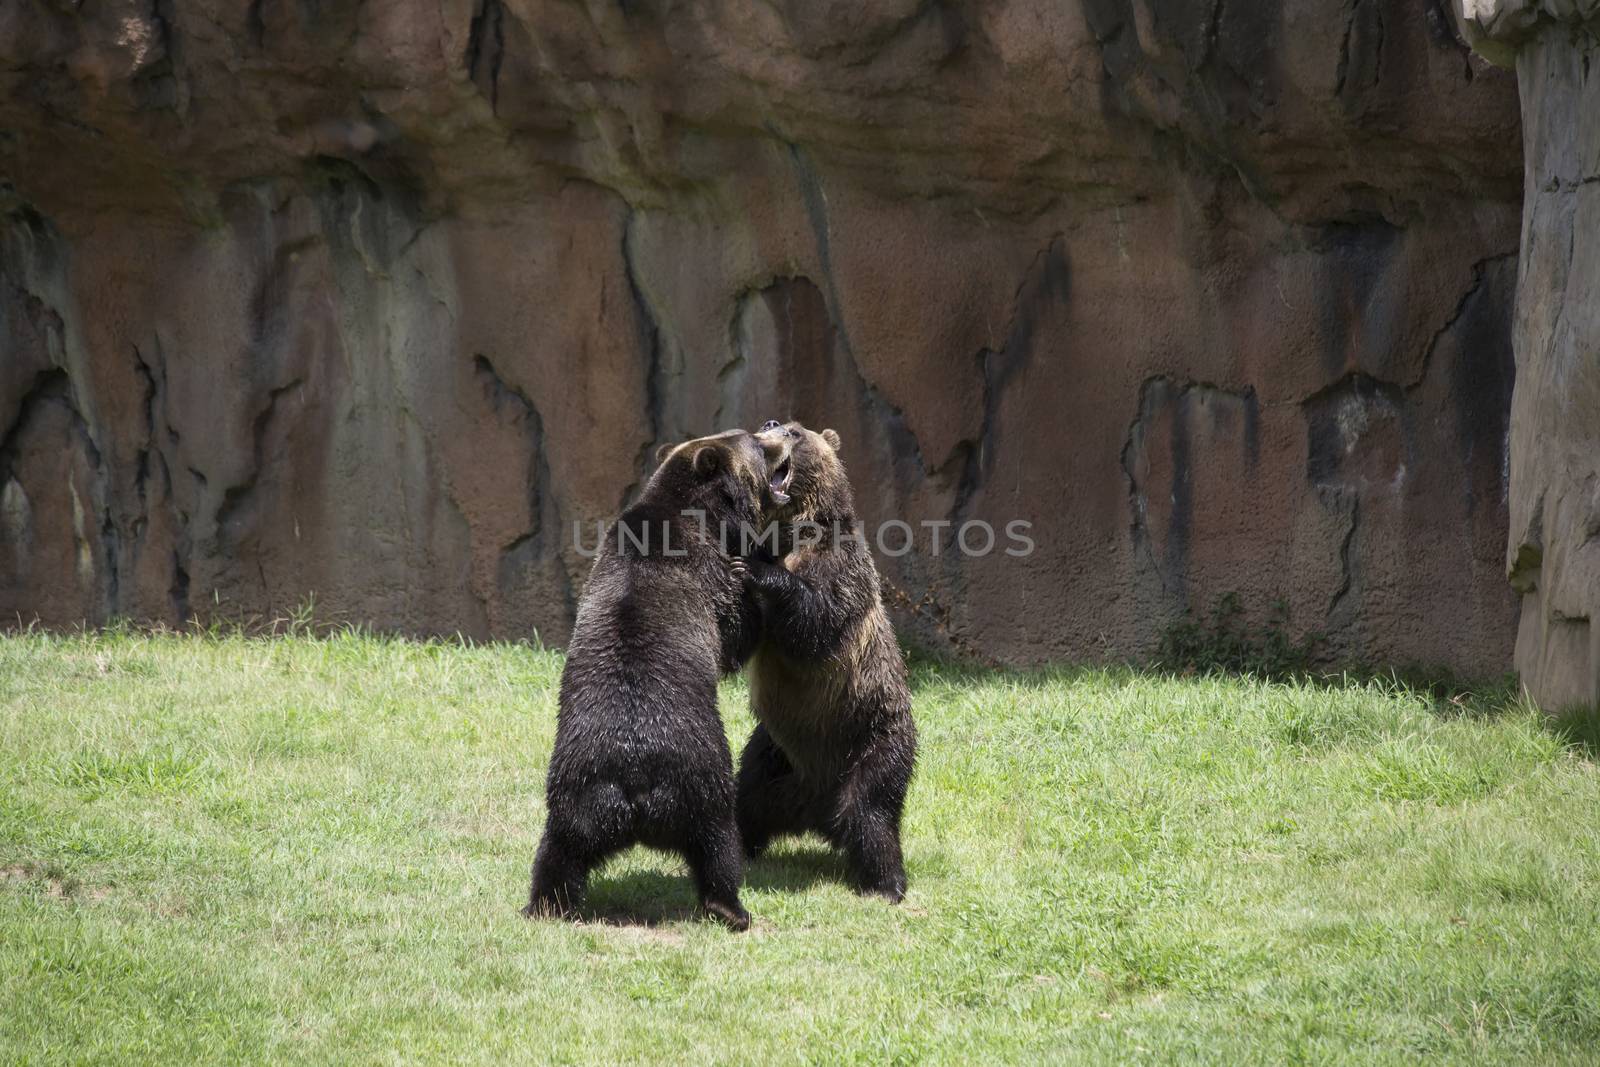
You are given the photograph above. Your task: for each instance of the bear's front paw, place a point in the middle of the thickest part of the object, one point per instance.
(764, 573)
(740, 569)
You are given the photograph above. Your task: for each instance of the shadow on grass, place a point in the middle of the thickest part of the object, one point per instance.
(1449, 693)
(1580, 728)
(640, 898)
(794, 870)
(652, 899)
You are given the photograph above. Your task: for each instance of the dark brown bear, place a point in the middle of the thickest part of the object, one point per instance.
(640, 754)
(835, 744)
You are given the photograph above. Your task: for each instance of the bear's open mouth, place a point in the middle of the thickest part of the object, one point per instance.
(778, 484)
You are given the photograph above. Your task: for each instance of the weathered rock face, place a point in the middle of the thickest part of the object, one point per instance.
(376, 301)
(1554, 550)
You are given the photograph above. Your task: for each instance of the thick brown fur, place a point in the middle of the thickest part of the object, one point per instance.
(835, 744)
(640, 753)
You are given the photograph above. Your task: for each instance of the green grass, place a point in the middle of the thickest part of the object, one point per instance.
(217, 849)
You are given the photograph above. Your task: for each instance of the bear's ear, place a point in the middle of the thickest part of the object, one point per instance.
(708, 461)
(832, 437)
(663, 452)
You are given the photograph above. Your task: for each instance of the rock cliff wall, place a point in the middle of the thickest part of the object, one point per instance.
(1553, 555)
(376, 300)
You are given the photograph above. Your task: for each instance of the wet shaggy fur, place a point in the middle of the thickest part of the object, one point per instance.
(835, 744)
(640, 754)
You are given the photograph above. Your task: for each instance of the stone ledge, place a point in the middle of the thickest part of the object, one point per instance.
(1497, 28)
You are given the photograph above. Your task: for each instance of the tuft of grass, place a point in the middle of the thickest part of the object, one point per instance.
(156, 771)
(229, 846)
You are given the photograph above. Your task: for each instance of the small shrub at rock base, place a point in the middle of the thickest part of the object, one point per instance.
(1226, 642)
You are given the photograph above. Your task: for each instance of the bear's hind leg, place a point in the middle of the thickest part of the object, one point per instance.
(871, 844)
(560, 878)
(773, 800)
(866, 823)
(583, 830)
(718, 867)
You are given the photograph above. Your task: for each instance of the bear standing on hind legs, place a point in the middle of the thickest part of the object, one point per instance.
(835, 744)
(640, 754)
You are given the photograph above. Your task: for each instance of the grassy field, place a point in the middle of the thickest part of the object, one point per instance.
(297, 850)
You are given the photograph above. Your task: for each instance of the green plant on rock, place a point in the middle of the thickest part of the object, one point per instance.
(1226, 642)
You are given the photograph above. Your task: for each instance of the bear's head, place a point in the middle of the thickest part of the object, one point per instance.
(724, 475)
(806, 481)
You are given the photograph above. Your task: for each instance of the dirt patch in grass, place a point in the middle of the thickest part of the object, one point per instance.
(56, 885)
(621, 931)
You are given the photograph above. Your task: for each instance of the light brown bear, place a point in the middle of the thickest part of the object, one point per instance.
(835, 744)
